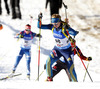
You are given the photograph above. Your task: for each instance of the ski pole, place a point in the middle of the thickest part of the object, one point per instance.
(82, 62)
(65, 10)
(31, 17)
(68, 75)
(40, 75)
(67, 23)
(73, 45)
(85, 72)
(40, 16)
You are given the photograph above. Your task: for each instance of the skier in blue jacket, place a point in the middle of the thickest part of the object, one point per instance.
(62, 47)
(27, 38)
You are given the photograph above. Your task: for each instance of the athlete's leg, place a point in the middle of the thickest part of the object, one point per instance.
(57, 68)
(18, 58)
(67, 55)
(49, 63)
(71, 69)
(53, 57)
(28, 60)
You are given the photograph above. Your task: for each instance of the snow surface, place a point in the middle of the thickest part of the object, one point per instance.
(83, 16)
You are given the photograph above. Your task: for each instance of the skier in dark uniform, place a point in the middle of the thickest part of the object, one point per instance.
(55, 5)
(6, 6)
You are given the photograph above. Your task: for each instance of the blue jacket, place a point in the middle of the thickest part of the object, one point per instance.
(61, 41)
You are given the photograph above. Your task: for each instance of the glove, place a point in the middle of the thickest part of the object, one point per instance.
(89, 59)
(38, 35)
(77, 32)
(21, 36)
(71, 39)
(44, 66)
(40, 16)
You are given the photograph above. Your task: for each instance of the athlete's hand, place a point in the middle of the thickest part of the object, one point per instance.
(71, 39)
(21, 36)
(44, 66)
(38, 35)
(89, 59)
(40, 16)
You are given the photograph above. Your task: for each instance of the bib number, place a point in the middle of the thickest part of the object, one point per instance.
(62, 42)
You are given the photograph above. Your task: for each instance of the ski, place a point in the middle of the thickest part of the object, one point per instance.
(10, 76)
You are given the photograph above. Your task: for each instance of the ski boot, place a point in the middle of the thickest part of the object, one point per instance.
(13, 71)
(28, 76)
(49, 79)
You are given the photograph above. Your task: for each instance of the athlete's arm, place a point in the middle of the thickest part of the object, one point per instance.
(45, 26)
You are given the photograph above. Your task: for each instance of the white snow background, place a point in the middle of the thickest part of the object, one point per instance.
(83, 15)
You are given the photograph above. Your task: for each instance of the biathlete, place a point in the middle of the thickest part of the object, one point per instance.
(27, 38)
(63, 46)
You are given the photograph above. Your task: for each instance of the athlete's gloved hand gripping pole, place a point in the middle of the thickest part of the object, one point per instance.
(18, 36)
(73, 45)
(39, 18)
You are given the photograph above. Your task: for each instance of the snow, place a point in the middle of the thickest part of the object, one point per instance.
(84, 17)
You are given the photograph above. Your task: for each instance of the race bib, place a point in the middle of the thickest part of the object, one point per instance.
(62, 42)
(26, 43)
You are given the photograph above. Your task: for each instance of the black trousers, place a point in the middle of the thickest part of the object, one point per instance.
(54, 11)
(6, 6)
(15, 6)
(58, 67)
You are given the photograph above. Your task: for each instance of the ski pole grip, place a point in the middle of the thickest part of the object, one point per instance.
(31, 16)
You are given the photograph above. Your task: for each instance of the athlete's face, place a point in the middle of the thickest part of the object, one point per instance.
(56, 25)
(27, 31)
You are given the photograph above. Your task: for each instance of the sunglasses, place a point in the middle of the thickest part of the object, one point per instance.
(28, 30)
